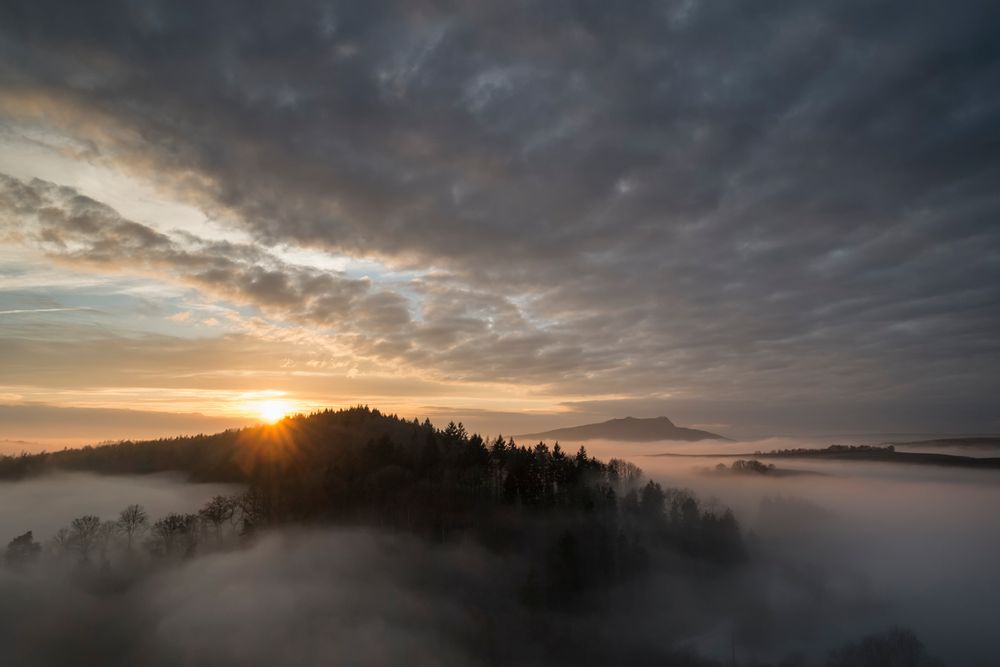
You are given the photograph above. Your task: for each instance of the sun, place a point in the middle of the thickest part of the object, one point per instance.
(273, 410)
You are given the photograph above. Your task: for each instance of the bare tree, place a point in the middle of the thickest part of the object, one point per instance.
(105, 534)
(131, 522)
(236, 516)
(253, 504)
(61, 542)
(624, 474)
(176, 533)
(217, 511)
(84, 535)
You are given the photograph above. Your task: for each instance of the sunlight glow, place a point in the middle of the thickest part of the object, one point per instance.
(273, 410)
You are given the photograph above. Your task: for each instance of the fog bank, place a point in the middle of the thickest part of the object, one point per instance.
(853, 551)
(877, 543)
(45, 504)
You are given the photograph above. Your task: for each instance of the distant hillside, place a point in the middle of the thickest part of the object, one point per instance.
(629, 429)
(885, 454)
(985, 442)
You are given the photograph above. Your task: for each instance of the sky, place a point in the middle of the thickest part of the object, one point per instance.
(755, 217)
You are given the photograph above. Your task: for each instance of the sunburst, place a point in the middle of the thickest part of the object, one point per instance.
(272, 410)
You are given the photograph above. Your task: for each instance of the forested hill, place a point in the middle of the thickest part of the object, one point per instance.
(599, 521)
(236, 455)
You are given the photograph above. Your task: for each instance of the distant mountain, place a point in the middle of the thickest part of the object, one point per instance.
(629, 429)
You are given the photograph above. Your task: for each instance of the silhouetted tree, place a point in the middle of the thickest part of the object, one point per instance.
(623, 474)
(176, 534)
(254, 508)
(896, 647)
(752, 466)
(60, 544)
(236, 513)
(216, 512)
(84, 535)
(22, 550)
(131, 522)
(651, 500)
(105, 535)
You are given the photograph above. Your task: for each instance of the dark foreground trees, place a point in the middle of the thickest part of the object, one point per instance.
(896, 647)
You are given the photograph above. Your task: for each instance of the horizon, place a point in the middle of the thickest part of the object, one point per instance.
(14, 446)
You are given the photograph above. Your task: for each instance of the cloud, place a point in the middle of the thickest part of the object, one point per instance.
(703, 200)
(74, 228)
(461, 333)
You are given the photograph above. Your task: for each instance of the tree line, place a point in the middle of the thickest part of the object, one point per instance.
(91, 540)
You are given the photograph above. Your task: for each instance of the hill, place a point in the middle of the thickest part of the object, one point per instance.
(629, 429)
(578, 523)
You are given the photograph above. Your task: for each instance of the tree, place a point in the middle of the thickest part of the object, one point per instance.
(752, 466)
(253, 507)
(84, 535)
(22, 550)
(897, 647)
(61, 542)
(455, 432)
(105, 534)
(176, 533)
(236, 516)
(623, 474)
(651, 500)
(217, 511)
(131, 522)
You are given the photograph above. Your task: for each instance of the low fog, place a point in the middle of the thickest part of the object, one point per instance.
(329, 596)
(350, 597)
(45, 504)
(851, 551)
(860, 545)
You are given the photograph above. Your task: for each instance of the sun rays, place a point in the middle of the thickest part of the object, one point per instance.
(272, 410)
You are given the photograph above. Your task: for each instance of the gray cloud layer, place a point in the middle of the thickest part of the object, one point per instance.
(697, 199)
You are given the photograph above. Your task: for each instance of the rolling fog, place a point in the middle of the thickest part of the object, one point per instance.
(46, 504)
(882, 543)
(836, 556)
(297, 598)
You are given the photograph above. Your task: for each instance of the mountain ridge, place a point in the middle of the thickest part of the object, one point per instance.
(629, 429)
